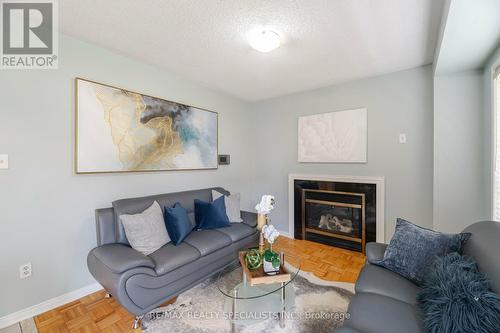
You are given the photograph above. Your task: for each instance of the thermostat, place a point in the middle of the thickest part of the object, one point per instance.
(224, 159)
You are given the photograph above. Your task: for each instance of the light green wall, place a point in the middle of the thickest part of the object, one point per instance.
(397, 103)
(47, 212)
(459, 137)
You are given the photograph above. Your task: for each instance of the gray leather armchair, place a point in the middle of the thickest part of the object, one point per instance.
(139, 282)
(385, 302)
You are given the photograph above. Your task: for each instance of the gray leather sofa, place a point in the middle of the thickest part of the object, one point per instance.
(140, 283)
(385, 302)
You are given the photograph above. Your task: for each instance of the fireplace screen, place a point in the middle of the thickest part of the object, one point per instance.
(334, 214)
(333, 218)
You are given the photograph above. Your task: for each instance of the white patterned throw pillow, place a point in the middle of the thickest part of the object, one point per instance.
(232, 203)
(146, 231)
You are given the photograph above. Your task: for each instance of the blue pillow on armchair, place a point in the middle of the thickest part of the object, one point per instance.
(456, 297)
(412, 249)
(177, 223)
(211, 215)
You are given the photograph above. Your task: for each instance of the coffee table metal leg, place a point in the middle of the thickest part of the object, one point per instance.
(282, 314)
(233, 322)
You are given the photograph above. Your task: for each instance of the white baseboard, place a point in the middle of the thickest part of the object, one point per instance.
(47, 305)
(285, 233)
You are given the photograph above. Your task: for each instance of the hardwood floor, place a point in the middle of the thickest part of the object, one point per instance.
(95, 313)
(92, 313)
(326, 262)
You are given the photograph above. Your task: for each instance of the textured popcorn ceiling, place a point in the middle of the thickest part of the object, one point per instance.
(325, 41)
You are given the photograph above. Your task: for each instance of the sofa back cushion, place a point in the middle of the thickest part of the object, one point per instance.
(137, 205)
(484, 246)
(146, 231)
(177, 222)
(413, 248)
(211, 215)
(456, 297)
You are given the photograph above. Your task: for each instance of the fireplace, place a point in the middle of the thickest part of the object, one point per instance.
(334, 214)
(338, 211)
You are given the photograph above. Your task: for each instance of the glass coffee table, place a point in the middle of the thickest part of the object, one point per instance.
(252, 297)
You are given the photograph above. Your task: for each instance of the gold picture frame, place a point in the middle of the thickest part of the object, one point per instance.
(167, 133)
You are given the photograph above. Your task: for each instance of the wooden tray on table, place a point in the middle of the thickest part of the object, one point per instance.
(259, 277)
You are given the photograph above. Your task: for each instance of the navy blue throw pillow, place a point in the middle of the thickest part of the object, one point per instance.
(412, 249)
(456, 297)
(177, 223)
(211, 215)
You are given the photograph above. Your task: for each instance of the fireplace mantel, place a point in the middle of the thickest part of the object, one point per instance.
(380, 204)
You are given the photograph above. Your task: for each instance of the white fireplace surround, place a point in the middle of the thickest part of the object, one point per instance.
(380, 205)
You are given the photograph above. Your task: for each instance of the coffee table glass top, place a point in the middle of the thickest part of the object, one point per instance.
(259, 302)
(228, 279)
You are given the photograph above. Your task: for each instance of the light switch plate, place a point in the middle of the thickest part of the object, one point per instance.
(402, 138)
(4, 161)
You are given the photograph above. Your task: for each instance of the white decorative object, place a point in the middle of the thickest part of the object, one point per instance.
(265, 205)
(270, 233)
(335, 137)
(269, 269)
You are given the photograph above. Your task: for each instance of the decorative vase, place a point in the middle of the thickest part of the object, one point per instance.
(269, 269)
(271, 262)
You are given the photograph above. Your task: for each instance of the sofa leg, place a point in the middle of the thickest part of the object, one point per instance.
(137, 322)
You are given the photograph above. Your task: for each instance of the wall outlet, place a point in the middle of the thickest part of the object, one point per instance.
(25, 271)
(4, 161)
(402, 138)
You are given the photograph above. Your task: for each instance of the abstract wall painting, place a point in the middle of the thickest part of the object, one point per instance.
(334, 137)
(123, 131)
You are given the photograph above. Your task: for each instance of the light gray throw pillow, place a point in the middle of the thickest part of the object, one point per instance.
(232, 203)
(146, 231)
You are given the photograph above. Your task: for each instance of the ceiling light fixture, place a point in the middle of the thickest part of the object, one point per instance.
(264, 40)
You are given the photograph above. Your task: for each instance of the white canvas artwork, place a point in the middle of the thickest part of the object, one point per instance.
(334, 137)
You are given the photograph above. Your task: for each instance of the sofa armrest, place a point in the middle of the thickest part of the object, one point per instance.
(375, 252)
(249, 218)
(120, 258)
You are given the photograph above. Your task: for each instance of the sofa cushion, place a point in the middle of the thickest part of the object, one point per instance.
(456, 297)
(170, 257)
(237, 231)
(378, 280)
(379, 314)
(146, 231)
(177, 222)
(207, 241)
(413, 248)
(211, 215)
(232, 203)
(137, 205)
